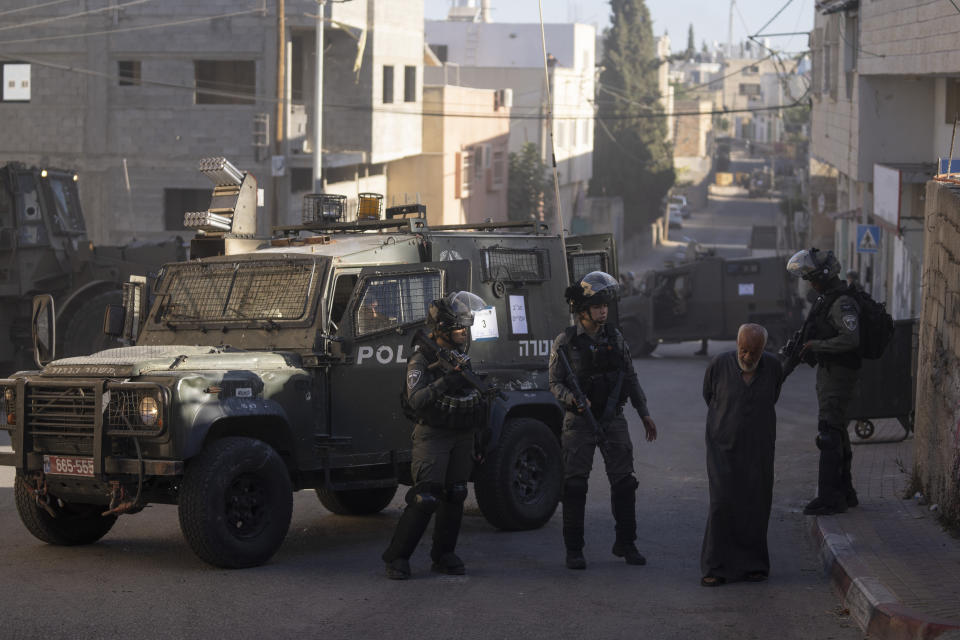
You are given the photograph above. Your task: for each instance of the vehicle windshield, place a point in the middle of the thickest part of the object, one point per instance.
(268, 292)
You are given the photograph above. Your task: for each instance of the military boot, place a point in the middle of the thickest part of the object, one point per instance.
(446, 529)
(830, 487)
(574, 505)
(623, 503)
(846, 477)
(413, 522)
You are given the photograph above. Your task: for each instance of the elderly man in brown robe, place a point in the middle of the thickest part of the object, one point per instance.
(741, 388)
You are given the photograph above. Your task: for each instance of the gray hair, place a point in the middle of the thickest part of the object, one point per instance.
(755, 329)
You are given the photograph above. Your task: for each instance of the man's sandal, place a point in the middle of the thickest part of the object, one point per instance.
(711, 581)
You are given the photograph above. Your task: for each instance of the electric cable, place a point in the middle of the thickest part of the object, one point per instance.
(20, 25)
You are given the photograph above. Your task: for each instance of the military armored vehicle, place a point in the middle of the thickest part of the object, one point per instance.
(710, 297)
(265, 366)
(44, 248)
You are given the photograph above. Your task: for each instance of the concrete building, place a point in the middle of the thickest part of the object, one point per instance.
(133, 97)
(510, 56)
(461, 175)
(755, 83)
(886, 91)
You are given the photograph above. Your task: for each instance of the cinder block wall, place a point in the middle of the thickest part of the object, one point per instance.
(938, 371)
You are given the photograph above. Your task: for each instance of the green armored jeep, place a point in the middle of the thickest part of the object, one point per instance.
(266, 366)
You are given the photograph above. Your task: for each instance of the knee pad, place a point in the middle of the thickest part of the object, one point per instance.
(575, 487)
(626, 484)
(456, 492)
(425, 497)
(828, 440)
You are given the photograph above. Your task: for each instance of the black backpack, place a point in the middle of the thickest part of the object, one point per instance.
(876, 325)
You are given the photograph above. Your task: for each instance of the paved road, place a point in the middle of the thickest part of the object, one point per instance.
(327, 580)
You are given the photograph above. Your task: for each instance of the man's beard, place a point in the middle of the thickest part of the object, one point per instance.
(745, 368)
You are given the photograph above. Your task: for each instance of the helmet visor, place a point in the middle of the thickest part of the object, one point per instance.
(463, 306)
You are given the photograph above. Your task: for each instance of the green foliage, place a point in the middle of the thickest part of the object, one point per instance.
(631, 156)
(529, 187)
(691, 47)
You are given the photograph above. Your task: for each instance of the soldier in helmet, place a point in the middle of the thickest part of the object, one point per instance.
(448, 413)
(601, 362)
(831, 342)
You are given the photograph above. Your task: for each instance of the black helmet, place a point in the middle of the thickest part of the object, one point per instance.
(813, 264)
(597, 287)
(455, 310)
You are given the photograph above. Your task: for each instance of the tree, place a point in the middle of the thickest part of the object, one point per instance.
(691, 47)
(529, 189)
(631, 157)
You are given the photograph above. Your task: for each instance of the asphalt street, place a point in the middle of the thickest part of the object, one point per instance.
(327, 580)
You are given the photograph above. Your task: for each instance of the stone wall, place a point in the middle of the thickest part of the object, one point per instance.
(937, 459)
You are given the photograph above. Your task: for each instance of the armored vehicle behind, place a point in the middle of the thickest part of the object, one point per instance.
(270, 365)
(710, 298)
(44, 248)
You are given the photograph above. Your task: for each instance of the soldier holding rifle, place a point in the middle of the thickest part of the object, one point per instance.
(592, 375)
(449, 404)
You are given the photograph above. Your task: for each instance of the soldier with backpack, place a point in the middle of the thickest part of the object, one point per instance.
(831, 341)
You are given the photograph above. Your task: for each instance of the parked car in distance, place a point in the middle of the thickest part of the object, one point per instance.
(674, 217)
(681, 201)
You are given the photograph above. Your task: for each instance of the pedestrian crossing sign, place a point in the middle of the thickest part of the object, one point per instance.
(868, 238)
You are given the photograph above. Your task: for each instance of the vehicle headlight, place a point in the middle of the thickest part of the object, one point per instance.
(9, 395)
(149, 411)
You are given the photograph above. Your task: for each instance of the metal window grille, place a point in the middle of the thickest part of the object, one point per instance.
(396, 300)
(239, 291)
(581, 264)
(515, 265)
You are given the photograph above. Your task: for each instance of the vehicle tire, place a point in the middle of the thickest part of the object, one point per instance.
(356, 502)
(75, 524)
(636, 336)
(863, 428)
(518, 486)
(235, 503)
(82, 332)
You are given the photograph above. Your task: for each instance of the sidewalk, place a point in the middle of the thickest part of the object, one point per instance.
(895, 568)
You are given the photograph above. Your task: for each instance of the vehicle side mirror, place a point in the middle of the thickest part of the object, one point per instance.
(44, 328)
(113, 317)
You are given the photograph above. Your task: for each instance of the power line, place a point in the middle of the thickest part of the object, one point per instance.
(72, 15)
(33, 7)
(160, 25)
(267, 99)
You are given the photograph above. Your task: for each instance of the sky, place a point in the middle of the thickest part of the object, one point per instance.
(710, 18)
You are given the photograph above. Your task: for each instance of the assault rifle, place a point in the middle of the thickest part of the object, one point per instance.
(570, 378)
(454, 362)
(791, 354)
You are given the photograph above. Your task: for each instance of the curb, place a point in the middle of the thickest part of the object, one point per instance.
(874, 607)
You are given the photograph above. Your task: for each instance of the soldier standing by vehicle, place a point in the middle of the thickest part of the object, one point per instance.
(830, 339)
(591, 371)
(448, 414)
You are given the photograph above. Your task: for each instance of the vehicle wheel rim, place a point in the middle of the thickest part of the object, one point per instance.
(246, 506)
(528, 473)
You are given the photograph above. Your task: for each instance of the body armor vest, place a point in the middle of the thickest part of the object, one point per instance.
(823, 330)
(598, 365)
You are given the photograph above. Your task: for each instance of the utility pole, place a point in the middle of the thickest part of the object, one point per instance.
(281, 105)
(318, 105)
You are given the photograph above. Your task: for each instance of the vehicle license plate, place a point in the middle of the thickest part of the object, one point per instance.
(68, 466)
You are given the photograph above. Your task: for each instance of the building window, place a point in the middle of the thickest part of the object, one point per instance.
(387, 84)
(235, 81)
(953, 100)
(409, 84)
(439, 50)
(499, 168)
(177, 202)
(128, 72)
(301, 179)
(749, 89)
(464, 172)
